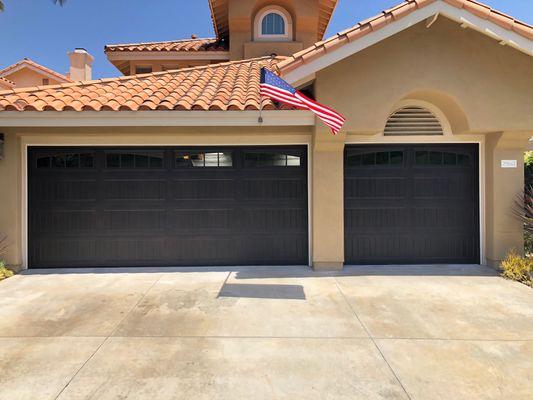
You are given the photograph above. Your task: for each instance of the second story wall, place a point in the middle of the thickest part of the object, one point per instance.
(26, 77)
(245, 25)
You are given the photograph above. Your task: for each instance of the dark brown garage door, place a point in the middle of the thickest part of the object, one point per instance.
(96, 207)
(411, 204)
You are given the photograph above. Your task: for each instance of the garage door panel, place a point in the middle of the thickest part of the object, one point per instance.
(376, 187)
(62, 221)
(134, 220)
(66, 190)
(272, 189)
(204, 189)
(58, 251)
(134, 189)
(424, 209)
(283, 220)
(395, 249)
(171, 206)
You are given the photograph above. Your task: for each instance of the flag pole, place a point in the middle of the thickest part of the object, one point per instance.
(260, 119)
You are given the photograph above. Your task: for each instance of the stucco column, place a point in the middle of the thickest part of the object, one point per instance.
(328, 200)
(503, 188)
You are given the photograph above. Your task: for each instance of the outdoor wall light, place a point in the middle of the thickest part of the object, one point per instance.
(1, 146)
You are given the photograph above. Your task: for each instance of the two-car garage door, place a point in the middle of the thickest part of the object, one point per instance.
(99, 206)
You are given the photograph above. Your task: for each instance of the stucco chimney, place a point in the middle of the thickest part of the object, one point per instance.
(80, 65)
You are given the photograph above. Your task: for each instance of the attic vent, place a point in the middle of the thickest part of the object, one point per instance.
(413, 121)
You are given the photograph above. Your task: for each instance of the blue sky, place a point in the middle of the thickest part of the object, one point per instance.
(44, 32)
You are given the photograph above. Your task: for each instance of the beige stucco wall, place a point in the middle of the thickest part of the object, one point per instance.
(27, 77)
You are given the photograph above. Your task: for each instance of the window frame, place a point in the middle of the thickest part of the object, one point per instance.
(145, 66)
(258, 25)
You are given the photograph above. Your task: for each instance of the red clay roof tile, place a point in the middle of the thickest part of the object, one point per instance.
(226, 86)
(186, 45)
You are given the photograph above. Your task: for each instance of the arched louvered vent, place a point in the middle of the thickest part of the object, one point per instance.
(413, 121)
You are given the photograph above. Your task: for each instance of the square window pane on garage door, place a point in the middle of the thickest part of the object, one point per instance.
(65, 160)
(258, 159)
(201, 159)
(134, 159)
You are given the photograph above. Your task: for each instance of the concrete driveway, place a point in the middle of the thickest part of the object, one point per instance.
(266, 333)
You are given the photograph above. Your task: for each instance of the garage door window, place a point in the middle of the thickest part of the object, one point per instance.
(440, 158)
(134, 160)
(204, 160)
(270, 159)
(65, 160)
(375, 158)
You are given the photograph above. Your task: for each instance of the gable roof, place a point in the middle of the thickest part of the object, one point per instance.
(186, 45)
(219, 15)
(27, 63)
(6, 83)
(218, 87)
(505, 28)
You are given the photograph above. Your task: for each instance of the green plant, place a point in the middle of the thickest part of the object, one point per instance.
(523, 210)
(518, 268)
(528, 168)
(4, 272)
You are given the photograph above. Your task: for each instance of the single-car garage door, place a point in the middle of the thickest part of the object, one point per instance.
(411, 204)
(93, 207)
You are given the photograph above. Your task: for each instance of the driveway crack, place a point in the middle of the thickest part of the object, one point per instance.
(107, 338)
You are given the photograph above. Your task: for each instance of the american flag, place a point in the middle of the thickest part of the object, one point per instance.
(277, 89)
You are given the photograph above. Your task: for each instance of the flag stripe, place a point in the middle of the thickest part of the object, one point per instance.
(274, 87)
(283, 97)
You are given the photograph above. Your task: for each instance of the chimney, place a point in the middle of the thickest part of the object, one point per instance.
(80, 65)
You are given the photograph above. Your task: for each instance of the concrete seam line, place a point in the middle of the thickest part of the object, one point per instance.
(371, 338)
(79, 369)
(107, 338)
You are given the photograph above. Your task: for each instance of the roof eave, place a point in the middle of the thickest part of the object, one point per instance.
(309, 61)
(10, 119)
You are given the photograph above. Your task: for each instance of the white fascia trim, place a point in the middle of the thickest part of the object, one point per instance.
(167, 55)
(459, 15)
(154, 118)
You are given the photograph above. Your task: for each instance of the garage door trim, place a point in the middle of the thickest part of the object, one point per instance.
(25, 178)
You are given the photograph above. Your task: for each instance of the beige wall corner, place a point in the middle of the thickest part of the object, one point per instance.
(504, 185)
(328, 200)
(10, 209)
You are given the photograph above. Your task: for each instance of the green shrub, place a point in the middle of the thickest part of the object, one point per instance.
(528, 168)
(518, 268)
(4, 272)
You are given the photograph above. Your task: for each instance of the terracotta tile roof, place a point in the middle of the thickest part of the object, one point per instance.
(226, 86)
(393, 14)
(209, 44)
(26, 62)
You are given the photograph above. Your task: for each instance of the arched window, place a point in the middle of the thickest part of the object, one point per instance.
(413, 121)
(273, 23)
